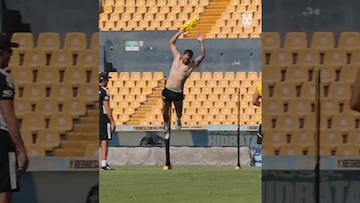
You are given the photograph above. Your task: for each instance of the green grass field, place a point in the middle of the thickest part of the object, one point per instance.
(183, 184)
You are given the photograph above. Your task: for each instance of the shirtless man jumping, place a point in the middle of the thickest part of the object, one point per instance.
(181, 69)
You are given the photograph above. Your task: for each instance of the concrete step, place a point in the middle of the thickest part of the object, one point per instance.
(68, 144)
(86, 127)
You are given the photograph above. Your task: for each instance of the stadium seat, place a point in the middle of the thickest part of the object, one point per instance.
(24, 39)
(33, 122)
(88, 92)
(48, 41)
(349, 72)
(308, 90)
(308, 57)
(22, 75)
(35, 150)
(322, 40)
(339, 90)
(61, 92)
(61, 121)
(335, 57)
(270, 41)
(48, 138)
(285, 90)
(349, 41)
(299, 73)
(47, 107)
(75, 76)
(281, 57)
(22, 106)
(61, 59)
(35, 58)
(74, 107)
(48, 75)
(75, 41)
(295, 41)
(34, 92)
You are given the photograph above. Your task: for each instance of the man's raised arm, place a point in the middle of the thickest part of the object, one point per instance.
(202, 51)
(172, 42)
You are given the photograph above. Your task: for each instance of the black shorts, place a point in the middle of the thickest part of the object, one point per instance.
(105, 128)
(8, 164)
(169, 96)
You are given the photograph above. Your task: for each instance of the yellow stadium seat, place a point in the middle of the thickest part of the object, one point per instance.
(22, 75)
(308, 90)
(47, 106)
(297, 73)
(107, 9)
(339, 90)
(273, 106)
(22, 106)
(301, 106)
(329, 73)
(35, 150)
(335, 57)
(75, 41)
(296, 40)
(74, 107)
(349, 72)
(322, 40)
(281, 57)
(48, 41)
(308, 57)
(88, 92)
(61, 122)
(61, 59)
(75, 76)
(24, 39)
(270, 40)
(33, 122)
(48, 138)
(88, 58)
(61, 92)
(35, 58)
(285, 90)
(349, 41)
(48, 75)
(34, 92)
(119, 3)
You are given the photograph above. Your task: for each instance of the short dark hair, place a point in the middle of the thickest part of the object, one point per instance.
(189, 52)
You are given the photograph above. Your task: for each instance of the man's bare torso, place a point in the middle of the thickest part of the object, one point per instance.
(179, 72)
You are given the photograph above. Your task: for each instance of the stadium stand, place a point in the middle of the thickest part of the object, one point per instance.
(56, 97)
(217, 19)
(302, 81)
(139, 98)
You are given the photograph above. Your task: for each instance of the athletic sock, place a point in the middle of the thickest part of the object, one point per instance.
(103, 163)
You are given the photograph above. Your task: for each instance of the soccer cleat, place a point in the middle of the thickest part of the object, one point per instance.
(165, 168)
(178, 125)
(106, 168)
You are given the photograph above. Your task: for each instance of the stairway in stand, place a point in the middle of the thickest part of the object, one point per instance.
(83, 137)
(208, 18)
(146, 107)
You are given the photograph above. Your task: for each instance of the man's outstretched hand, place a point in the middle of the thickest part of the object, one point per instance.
(200, 37)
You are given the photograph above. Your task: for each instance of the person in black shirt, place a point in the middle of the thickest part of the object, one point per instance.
(107, 123)
(13, 157)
